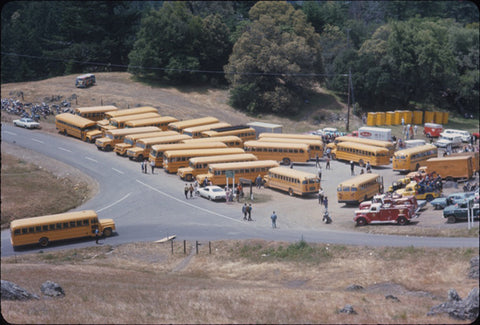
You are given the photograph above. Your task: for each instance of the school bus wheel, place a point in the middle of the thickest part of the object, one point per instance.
(286, 161)
(107, 232)
(43, 241)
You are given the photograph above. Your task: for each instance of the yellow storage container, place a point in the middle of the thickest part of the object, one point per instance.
(380, 118)
(417, 117)
(408, 117)
(389, 116)
(439, 117)
(371, 118)
(445, 118)
(397, 118)
(429, 117)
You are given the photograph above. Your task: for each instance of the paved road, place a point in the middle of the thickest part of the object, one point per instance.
(150, 207)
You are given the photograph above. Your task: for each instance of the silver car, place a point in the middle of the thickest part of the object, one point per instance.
(27, 123)
(212, 192)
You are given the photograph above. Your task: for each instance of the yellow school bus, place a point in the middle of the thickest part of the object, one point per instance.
(217, 173)
(130, 140)
(244, 132)
(121, 121)
(143, 147)
(77, 126)
(156, 153)
(370, 142)
(292, 181)
(112, 137)
(182, 125)
(196, 131)
(161, 122)
(175, 159)
(290, 136)
(412, 158)
(199, 165)
(315, 146)
(94, 113)
(45, 229)
(359, 188)
(125, 112)
(279, 151)
(231, 141)
(361, 153)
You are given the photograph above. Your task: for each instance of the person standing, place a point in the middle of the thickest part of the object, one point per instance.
(327, 165)
(244, 211)
(325, 202)
(185, 189)
(369, 168)
(274, 220)
(319, 172)
(258, 181)
(317, 161)
(152, 165)
(249, 211)
(97, 235)
(143, 167)
(321, 194)
(352, 168)
(190, 189)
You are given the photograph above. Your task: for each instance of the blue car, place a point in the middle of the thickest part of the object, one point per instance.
(442, 202)
(459, 211)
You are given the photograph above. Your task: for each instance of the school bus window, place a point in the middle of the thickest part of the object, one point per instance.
(38, 228)
(58, 226)
(65, 225)
(45, 228)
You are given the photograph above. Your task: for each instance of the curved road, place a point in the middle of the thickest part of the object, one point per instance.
(150, 207)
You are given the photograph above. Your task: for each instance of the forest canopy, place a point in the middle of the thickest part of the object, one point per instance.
(270, 55)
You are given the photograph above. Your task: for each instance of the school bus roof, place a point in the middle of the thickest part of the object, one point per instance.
(52, 218)
(182, 146)
(227, 138)
(75, 120)
(362, 146)
(164, 138)
(291, 140)
(194, 122)
(373, 142)
(416, 149)
(199, 152)
(223, 158)
(142, 129)
(359, 179)
(289, 135)
(133, 117)
(160, 119)
(106, 108)
(266, 144)
(132, 111)
(150, 135)
(292, 172)
(246, 164)
(205, 127)
(227, 130)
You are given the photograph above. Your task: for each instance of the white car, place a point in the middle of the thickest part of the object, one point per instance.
(465, 135)
(212, 192)
(27, 123)
(448, 141)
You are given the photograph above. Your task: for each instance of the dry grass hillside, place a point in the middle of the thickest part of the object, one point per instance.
(119, 88)
(239, 282)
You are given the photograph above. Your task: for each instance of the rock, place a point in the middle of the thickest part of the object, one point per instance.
(11, 291)
(354, 287)
(473, 273)
(52, 289)
(391, 297)
(457, 308)
(348, 309)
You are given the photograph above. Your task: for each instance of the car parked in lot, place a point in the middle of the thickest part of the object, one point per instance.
(442, 202)
(212, 192)
(26, 122)
(449, 141)
(459, 211)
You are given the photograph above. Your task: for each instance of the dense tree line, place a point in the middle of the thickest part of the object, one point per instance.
(270, 54)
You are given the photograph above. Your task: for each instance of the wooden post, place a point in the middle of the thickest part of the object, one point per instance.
(184, 246)
(196, 247)
(172, 245)
(210, 247)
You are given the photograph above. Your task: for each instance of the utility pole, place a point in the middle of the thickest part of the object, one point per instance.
(348, 100)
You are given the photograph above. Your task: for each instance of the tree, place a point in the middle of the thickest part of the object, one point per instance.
(278, 44)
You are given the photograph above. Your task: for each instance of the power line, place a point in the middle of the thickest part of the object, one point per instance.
(177, 70)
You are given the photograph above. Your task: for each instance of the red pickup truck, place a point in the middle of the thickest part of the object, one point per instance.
(377, 214)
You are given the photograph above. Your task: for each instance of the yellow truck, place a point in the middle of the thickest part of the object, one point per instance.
(451, 167)
(420, 192)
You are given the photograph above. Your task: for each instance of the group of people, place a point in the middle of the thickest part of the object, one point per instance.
(408, 130)
(144, 164)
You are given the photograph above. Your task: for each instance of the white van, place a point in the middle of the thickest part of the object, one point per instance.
(464, 134)
(414, 143)
(449, 141)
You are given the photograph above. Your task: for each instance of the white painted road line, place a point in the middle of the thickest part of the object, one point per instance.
(11, 133)
(64, 149)
(116, 202)
(91, 159)
(189, 204)
(36, 140)
(118, 171)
